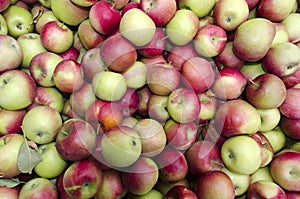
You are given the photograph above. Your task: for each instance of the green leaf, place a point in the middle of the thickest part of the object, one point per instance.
(10, 182)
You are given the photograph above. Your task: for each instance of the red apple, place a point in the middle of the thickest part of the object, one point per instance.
(290, 106)
(265, 189)
(4, 4)
(291, 80)
(177, 55)
(72, 54)
(129, 102)
(9, 193)
(157, 105)
(290, 127)
(208, 107)
(11, 121)
(129, 6)
(144, 95)
(180, 192)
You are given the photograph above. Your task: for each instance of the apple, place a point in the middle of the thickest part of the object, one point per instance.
(141, 176)
(4, 5)
(120, 4)
(199, 7)
(177, 55)
(282, 34)
(251, 70)
(158, 82)
(136, 75)
(209, 133)
(11, 53)
(129, 102)
(269, 118)
(203, 156)
(252, 4)
(9, 148)
(198, 74)
(208, 105)
(290, 127)
(161, 12)
(291, 80)
(9, 192)
(153, 193)
(109, 85)
(129, 121)
(56, 36)
(289, 107)
(76, 140)
(180, 192)
(137, 27)
(183, 27)
(104, 17)
(160, 59)
(243, 160)
(3, 25)
(263, 173)
(183, 105)
(72, 14)
(18, 20)
(17, 88)
(293, 31)
(52, 164)
(286, 178)
(144, 95)
(277, 138)
(128, 6)
(164, 187)
(237, 117)
(292, 194)
(46, 16)
(11, 121)
(38, 188)
(42, 66)
(157, 105)
(227, 16)
(282, 67)
(256, 29)
(84, 3)
(60, 187)
(215, 184)
(121, 146)
(83, 179)
(72, 53)
(265, 189)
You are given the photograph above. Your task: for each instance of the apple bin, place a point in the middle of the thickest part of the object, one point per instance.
(155, 99)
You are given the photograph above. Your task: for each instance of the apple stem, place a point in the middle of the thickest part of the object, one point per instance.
(252, 82)
(81, 53)
(209, 93)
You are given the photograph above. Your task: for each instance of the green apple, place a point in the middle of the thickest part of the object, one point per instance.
(41, 124)
(183, 27)
(200, 7)
(137, 27)
(153, 193)
(269, 118)
(19, 20)
(263, 173)
(294, 31)
(135, 75)
(52, 164)
(109, 85)
(282, 34)
(241, 154)
(3, 25)
(276, 137)
(296, 146)
(252, 69)
(45, 3)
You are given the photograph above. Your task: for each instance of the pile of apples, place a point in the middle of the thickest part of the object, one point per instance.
(149, 99)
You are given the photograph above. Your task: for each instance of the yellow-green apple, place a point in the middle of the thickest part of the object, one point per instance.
(3, 25)
(9, 192)
(88, 36)
(9, 146)
(200, 7)
(203, 156)
(121, 146)
(296, 146)
(229, 84)
(104, 17)
(38, 188)
(269, 118)
(256, 29)
(282, 34)
(83, 179)
(172, 165)
(183, 27)
(118, 53)
(241, 154)
(290, 127)
(42, 66)
(144, 95)
(40, 131)
(282, 67)
(273, 10)
(152, 135)
(161, 12)
(291, 80)
(31, 45)
(285, 169)
(136, 75)
(17, 88)
(251, 70)
(157, 105)
(84, 3)
(177, 55)
(264, 87)
(129, 102)
(4, 5)
(129, 121)
(180, 192)
(52, 164)
(45, 17)
(156, 46)
(241, 182)
(227, 16)
(10, 53)
(277, 138)
(263, 173)
(289, 107)
(206, 20)
(294, 31)
(109, 85)
(72, 14)
(18, 20)
(180, 136)
(265, 189)
(56, 36)
(153, 193)
(137, 27)
(208, 105)
(68, 76)
(45, 3)
(76, 140)
(11, 121)
(141, 176)
(183, 105)
(159, 83)
(215, 184)
(198, 74)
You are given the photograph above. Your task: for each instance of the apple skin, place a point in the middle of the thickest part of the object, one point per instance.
(177, 55)
(236, 117)
(285, 168)
(144, 94)
(290, 127)
(83, 179)
(289, 107)
(18, 89)
(199, 7)
(277, 138)
(292, 194)
(265, 189)
(71, 54)
(293, 31)
(128, 6)
(252, 70)
(4, 5)
(11, 121)
(129, 102)
(215, 184)
(3, 25)
(157, 105)
(269, 119)
(76, 140)
(263, 173)
(245, 48)
(291, 80)
(9, 193)
(203, 156)
(180, 192)
(264, 87)
(141, 177)
(45, 17)
(282, 35)
(136, 75)
(208, 105)
(11, 53)
(84, 3)
(161, 12)
(38, 188)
